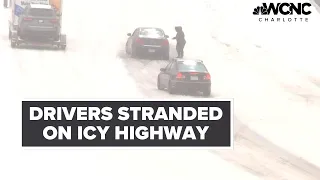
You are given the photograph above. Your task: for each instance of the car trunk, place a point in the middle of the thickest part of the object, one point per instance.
(195, 76)
(153, 41)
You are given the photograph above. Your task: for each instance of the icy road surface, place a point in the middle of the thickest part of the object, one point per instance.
(246, 64)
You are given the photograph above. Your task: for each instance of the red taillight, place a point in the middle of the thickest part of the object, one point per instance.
(27, 19)
(53, 20)
(165, 42)
(207, 77)
(139, 41)
(180, 76)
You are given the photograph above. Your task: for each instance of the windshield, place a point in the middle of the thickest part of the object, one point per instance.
(41, 12)
(151, 32)
(191, 66)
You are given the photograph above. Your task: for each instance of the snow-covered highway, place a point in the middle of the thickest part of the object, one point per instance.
(274, 80)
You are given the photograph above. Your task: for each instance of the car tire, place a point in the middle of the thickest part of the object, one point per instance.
(63, 47)
(133, 53)
(171, 89)
(160, 87)
(13, 44)
(207, 92)
(19, 33)
(127, 51)
(166, 56)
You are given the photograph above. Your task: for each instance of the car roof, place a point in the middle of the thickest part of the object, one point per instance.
(182, 60)
(40, 6)
(150, 28)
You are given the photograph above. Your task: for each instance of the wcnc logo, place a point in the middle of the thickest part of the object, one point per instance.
(293, 10)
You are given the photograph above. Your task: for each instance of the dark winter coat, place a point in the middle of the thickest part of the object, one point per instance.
(180, 36)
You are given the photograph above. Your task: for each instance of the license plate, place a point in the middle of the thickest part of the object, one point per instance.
(40, 21)
(152, 50)
(194, 78)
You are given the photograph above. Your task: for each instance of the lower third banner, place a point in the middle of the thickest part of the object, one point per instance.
(139, 123)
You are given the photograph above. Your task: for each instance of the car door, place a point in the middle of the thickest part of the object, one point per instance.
(166, 74)
(131, 39)
(172, 72)
(162, 75)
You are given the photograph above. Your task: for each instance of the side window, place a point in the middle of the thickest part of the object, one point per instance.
(173, 67)
(135, 32)
(168, 66)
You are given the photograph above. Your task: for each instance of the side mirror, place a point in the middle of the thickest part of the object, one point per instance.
(162, 69)
(59, 14)
(129, 34)
(166, 36)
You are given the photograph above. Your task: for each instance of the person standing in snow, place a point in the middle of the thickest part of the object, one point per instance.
(181, 41)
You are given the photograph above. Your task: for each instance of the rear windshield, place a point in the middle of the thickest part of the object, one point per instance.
(191, 66)
(41, 12)
(151, 32)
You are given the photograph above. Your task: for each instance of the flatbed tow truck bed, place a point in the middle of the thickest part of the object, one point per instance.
(17, 7)
(16, 41)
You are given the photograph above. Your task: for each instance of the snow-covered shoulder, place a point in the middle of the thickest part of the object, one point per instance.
(271, 69)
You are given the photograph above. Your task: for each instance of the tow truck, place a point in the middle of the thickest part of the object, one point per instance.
(35, 27)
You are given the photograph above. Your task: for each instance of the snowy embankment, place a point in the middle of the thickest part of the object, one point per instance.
(272, 71)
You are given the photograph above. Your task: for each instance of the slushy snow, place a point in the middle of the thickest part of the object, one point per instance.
(271, 78)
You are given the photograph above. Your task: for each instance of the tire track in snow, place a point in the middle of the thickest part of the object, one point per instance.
(265, 159)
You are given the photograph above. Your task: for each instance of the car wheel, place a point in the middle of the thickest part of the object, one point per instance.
(19, 32)
(133, 53)
(127, 51)
(166, 56)
(171, 89)
(207, 92)
(13, 44)
(160, 87)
